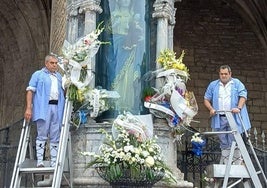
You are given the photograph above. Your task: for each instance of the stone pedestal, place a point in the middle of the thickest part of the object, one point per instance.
(88, 138)
(169, 152)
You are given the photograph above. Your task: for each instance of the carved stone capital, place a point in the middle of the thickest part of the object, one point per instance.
(72, 12)
(90, 5)
(164, 9)
(82, 6)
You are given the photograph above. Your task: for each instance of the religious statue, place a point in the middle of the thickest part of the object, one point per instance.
(125, 55)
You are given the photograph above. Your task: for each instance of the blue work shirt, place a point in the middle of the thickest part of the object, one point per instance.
(237, 90)
(40, 84)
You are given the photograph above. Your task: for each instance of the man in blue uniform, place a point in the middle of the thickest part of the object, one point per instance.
(45, 105)
(227, 94)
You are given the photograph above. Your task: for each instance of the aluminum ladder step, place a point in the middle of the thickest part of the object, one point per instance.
(28, 166)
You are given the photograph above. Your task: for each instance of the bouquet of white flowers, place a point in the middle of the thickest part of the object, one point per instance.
(130, 156)
(77, 67)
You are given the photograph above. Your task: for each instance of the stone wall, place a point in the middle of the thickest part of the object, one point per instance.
(212, 34)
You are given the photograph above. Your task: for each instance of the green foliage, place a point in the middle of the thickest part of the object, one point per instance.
(148, 91)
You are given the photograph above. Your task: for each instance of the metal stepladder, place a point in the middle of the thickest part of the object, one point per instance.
(28, 166)
(238, 172)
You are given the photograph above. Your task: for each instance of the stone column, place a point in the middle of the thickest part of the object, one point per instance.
(164, 12)
(169, 149)
(171, 27)
(72, 30)
(90, 8)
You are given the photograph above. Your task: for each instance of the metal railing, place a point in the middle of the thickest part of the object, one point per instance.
(194, 166)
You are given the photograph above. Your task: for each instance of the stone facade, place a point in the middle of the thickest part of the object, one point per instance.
(211, 31)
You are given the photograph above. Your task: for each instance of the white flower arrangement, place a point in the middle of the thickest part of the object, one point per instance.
(78, 67)
(142, 157)
(197, 138)
(85, 48)
(93, 102)
(76, 63)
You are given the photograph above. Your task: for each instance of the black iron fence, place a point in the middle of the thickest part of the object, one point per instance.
(9, 139)
(194, 167)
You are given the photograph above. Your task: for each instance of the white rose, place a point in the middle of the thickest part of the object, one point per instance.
(149, 161)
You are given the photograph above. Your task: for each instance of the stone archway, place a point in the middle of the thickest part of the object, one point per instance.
(254, 12)
(24, 41)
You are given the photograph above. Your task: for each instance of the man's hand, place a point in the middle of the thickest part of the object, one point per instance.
(28, 111)
(235, 110)
(212, 112)
(28, 114)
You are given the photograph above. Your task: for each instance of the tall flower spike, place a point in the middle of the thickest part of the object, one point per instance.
(180, 59)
